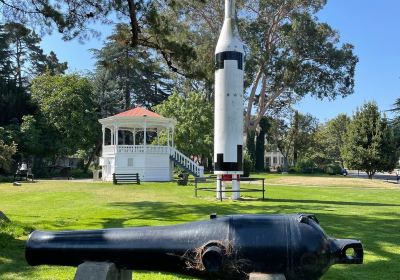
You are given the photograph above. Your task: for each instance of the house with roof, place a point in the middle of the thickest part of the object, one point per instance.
(131, 144)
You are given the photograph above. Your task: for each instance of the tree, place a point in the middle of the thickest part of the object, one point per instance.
(292, 135)
(24, 45)
(109, 98)
(369, 142)
(74, 18)
(304, 127)
(194, 130)
(251, 149)
(335, 132)
(67, 105)
(50, 64)
(289, 53)
(136, 72)
(264, 126)
(328, 141)
(6, 153)
(14, 102)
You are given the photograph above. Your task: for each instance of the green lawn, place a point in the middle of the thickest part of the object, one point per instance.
(347, 208)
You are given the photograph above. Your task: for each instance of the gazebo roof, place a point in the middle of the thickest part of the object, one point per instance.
(138, 112)
(136, 117)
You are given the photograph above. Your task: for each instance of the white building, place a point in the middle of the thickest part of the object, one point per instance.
(273, 159)
(131, 144)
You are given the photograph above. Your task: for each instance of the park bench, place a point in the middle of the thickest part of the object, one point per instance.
(126, 178)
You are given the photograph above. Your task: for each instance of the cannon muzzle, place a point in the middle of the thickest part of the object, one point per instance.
(228, 247)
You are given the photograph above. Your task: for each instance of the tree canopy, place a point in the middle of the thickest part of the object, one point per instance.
(369, 142)
(66, 103)
(134, 72)
(194, 131)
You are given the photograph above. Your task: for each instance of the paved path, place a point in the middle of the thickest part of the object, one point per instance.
(384, 176)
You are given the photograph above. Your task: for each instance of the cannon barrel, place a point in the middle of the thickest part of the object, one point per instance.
(228, 247)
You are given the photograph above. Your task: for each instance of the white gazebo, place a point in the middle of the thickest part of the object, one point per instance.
(131, 144)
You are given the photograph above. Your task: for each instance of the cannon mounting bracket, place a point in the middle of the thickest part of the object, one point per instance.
(101, 271)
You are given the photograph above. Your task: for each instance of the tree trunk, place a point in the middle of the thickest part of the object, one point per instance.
(295, 136)
(251, 147)
(92, 155)
(260, 150)
(18, 60)
(285, 166)
(210, 163)
(127, 85)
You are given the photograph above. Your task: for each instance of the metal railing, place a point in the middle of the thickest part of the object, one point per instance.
(228, 189)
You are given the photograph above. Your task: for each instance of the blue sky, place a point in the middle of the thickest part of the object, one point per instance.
(373, 27)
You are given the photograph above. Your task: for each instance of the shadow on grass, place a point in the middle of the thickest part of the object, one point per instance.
(12, 249)
(353, 203)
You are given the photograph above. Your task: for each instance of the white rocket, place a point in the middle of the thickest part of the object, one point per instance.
(228, 121)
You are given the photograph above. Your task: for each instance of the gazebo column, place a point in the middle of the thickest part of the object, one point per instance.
(173, 133)
(116, 137)
(145, 133)
(168, 136)
(134, 136)
(103, 129)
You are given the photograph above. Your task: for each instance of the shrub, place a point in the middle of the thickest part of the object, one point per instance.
(6, 153)
(333, 169)
(248, 165)
(306, 166)
(79, 173)
(292, 170)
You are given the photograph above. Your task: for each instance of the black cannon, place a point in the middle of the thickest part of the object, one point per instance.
(229, 247)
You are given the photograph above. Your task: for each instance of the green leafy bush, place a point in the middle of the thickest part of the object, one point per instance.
(248, 165)
(333, 169)
(306, 166)
(79, 173)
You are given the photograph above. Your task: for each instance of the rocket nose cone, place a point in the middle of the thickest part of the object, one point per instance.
(229, 38)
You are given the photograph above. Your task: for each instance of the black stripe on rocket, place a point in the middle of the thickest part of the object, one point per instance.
(228, 55)
(220, 165)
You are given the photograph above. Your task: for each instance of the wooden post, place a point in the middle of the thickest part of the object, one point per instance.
(114, 179)
(195, 187)
(263, 188)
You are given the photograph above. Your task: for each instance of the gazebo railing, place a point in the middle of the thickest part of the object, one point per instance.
(175, 155)
(143, 149)
(187, 163)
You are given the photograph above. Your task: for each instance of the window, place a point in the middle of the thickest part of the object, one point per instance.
(275, 161)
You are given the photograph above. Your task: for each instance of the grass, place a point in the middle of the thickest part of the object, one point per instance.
(347, 208)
